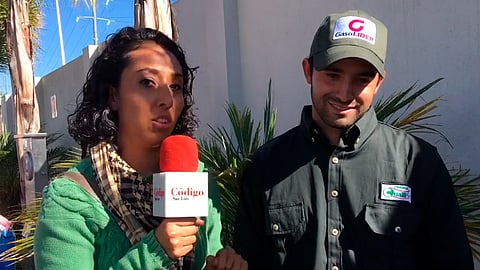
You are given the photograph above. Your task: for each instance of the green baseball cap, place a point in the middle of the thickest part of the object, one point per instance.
(350, 34)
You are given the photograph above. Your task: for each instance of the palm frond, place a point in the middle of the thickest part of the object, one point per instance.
(23, 247)
(467, 188)
(27, 217)
(397, 111)
(385, 107)
(269, 116)
(225, 154)
(35, 16)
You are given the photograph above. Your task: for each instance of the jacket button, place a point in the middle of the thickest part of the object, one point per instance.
(398, 229)
(275, 227)
(334, 193)
(335, 232)
(335, 160)
(335, 267)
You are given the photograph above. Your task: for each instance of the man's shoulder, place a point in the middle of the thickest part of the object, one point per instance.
(280, 143)
(395, 135)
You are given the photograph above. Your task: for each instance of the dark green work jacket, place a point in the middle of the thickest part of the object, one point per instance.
(380, 200)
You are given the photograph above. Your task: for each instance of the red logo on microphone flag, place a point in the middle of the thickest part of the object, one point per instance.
(180, 194)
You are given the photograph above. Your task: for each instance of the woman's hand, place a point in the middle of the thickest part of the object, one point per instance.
(226, 259)
(177, 236)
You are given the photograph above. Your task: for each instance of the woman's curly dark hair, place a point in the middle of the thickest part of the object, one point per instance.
(93, 121)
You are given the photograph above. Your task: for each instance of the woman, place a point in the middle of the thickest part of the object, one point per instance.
(138, 92)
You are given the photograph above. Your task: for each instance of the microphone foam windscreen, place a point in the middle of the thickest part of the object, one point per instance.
(179, 153)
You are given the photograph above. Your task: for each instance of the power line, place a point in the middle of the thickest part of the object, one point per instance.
(95, 18)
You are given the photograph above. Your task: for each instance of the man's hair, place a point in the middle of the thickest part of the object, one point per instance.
(93, 121)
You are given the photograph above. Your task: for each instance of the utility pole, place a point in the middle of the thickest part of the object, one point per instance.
(60, 33)
(95, 32)
(95, 19)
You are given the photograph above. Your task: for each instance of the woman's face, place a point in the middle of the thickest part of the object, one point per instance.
(149, 98)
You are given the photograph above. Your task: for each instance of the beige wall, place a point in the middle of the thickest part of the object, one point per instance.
(239, 45)
(65, 83)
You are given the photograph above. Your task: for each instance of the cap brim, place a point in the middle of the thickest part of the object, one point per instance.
(323, 59)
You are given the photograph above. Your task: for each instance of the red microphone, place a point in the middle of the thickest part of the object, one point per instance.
(180, 190)
(179, 153)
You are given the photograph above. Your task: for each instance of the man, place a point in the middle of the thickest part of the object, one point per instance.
(342, 190)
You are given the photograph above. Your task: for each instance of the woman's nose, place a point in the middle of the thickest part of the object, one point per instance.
(165, 97)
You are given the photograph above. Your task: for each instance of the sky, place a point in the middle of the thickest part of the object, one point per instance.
(77, 29)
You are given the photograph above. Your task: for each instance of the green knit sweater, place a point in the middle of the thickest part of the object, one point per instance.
(75, 231)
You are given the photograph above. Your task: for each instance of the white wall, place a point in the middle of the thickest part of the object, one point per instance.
(65, 83)
(205, 47)
(239, 45)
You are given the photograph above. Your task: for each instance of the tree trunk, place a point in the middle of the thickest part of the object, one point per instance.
(19, 46)
(156, 14)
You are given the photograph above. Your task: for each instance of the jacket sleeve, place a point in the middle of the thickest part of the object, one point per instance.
(66, 235)
(250, 239)
(446, 236)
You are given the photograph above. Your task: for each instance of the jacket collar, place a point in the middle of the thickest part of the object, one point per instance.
(352, 138)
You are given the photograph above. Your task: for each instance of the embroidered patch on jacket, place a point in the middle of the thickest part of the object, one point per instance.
(396, 193)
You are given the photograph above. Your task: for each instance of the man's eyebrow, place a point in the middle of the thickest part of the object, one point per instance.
(332, 69)
(368, 74)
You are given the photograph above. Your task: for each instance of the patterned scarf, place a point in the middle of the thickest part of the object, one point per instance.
(127, 195)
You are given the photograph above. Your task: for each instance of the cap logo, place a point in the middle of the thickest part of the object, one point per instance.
(355, 27)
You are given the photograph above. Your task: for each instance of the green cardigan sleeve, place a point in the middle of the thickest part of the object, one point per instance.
(214, 223)
(75, 232)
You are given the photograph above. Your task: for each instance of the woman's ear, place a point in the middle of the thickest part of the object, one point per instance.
(113, 98)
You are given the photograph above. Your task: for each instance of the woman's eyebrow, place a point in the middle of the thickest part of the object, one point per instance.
(174, 75)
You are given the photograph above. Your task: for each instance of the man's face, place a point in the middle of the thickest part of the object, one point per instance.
(341, 93)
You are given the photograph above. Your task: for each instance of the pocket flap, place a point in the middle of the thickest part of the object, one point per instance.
(391, 219)
(284, 218)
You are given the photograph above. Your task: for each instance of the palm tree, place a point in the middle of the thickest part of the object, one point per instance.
(9, 184)
(156, 14)
(225, 156)
(10, 191)
(35, 16)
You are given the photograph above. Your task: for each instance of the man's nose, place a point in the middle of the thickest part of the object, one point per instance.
(346, 90)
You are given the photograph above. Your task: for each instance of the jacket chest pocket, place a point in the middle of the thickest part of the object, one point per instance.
(394, 233)
(392, 220)
(285, 220)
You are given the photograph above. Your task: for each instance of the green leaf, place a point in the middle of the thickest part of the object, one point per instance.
(226, 151)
